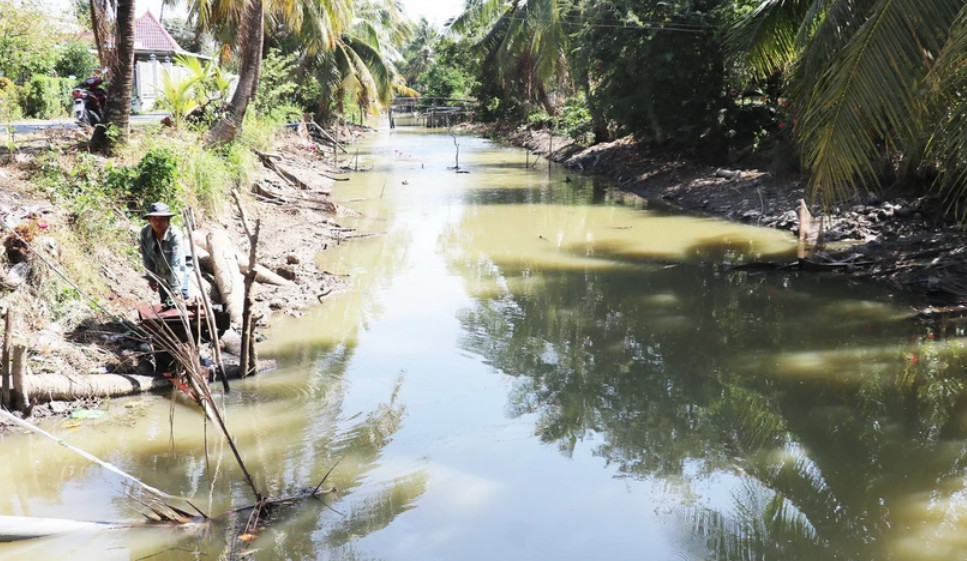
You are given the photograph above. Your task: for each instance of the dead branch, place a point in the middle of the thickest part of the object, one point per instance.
(206, 303)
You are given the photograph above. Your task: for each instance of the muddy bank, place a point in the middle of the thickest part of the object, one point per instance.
(896, 238)
(92, 345)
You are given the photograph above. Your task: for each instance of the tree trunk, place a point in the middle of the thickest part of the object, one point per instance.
(61, 387)
(250, 44)
(263, 275)
(118, 114)
(598, 123)
(227, 276)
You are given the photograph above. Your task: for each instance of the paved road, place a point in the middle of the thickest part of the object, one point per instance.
(40, 125)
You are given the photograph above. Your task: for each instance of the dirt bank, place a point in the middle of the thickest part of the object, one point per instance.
(288, 193)
(899, 239)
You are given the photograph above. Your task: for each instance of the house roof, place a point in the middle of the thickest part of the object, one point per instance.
(151, 36)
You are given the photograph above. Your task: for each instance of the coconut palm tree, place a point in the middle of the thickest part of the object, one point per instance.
(327, 30)
(525, 39)
(420, 50)
(250, 37)
(118, 114)
(872, 83)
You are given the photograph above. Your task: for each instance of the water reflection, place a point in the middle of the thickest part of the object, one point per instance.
(326, 437)
(838, 435)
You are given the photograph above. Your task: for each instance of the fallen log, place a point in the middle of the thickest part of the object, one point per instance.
(45, 388)
(325, 134)
(262, 274)
(268, 160)
(228, 278)
(62, 387)
(310, 203)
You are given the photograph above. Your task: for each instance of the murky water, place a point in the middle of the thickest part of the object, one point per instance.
(529, 367)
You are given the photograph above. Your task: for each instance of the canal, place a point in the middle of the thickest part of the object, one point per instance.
(531, 366)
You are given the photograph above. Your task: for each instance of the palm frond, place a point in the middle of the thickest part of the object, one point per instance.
(824, 33)
(478, 14)
(373, 72)
(867, 99)
(766, 38)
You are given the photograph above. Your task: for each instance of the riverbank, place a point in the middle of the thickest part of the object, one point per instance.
(79, 291)
(897, 238)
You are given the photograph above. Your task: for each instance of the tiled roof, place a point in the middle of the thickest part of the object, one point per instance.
(150, 35)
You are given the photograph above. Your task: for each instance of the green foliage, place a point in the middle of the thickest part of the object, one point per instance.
(83, 190)
(157, 175)
(75, 59)
(420, 52)
(26, 48)
(9, 100)
(277, 83)
(177, 97)
(200, 95)
(573, 120)
(449, 72)
(91, 187)
(876, 89)
(441, 81)
(45, 97)
(665, 84)
(210, 174)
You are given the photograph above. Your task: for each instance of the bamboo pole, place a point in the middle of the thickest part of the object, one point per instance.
(110, 467)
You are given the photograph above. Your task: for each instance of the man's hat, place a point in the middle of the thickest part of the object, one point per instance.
(158, 209)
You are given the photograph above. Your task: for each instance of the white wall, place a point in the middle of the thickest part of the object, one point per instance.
(148, 81)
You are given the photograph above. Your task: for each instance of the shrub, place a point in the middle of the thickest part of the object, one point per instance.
(45, 97)
(573, 120)
(177, 97)
(277, 82)
(75, 59)
(157, 175)
(9, 100)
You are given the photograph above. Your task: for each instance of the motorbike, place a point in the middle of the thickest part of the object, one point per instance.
(89, 101)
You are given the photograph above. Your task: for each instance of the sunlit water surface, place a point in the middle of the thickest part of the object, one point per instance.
(529, 366)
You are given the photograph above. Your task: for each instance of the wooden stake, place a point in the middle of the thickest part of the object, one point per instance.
(247, 359)
(5, 362)
(18, 368)
(550, 148)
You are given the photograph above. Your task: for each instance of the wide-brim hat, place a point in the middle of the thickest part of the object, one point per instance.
(158, 209)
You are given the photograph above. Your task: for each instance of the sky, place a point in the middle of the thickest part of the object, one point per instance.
(437, 12)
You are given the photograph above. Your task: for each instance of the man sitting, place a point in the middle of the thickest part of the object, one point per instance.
(164, 253)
